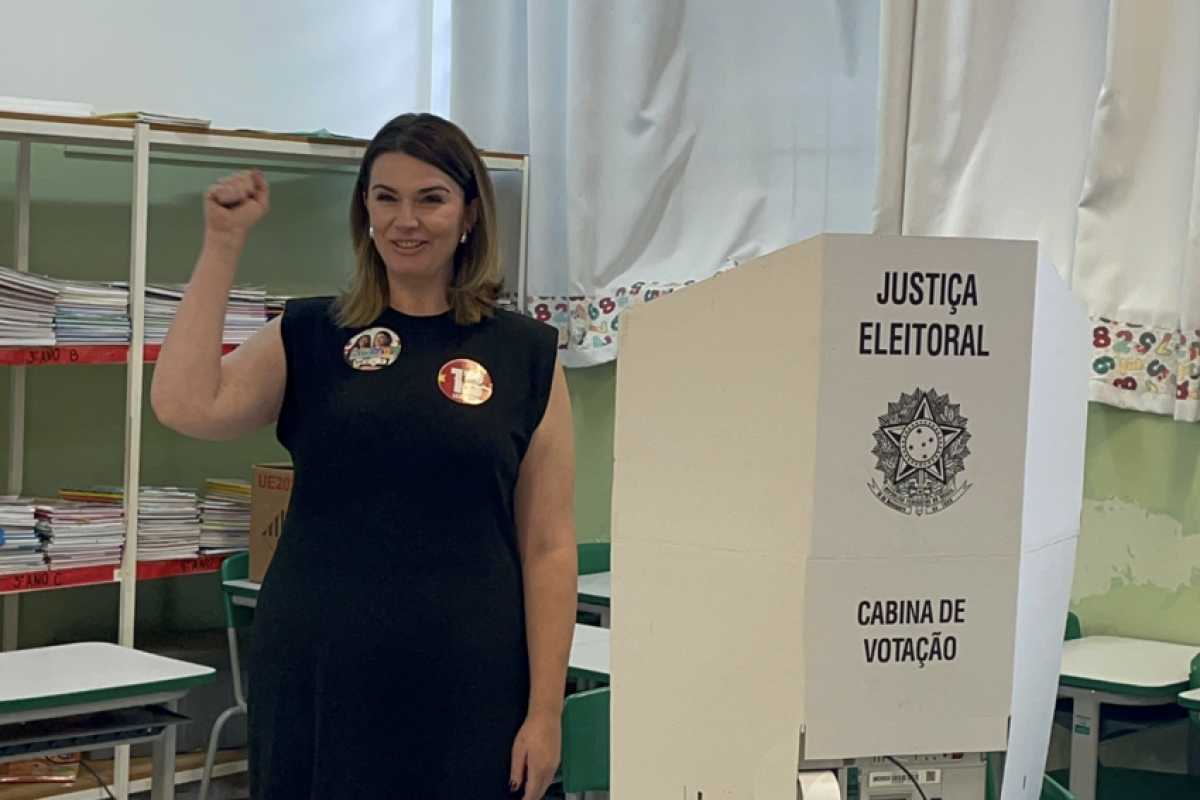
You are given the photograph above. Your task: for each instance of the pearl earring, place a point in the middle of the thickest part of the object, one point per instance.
(371, 231)
(463, 239)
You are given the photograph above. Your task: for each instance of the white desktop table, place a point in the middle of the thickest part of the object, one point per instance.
(242, 592)
(591, 654)
(47, 685)
(595, 596)
(1100, 670)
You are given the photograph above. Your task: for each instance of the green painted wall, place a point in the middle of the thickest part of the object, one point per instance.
(75, 430)
(1138, 566)
(593, 392)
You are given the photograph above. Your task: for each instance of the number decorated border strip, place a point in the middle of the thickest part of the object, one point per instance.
(1143, 368)
(591, 322)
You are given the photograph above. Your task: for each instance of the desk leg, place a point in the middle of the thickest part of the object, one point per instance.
(163, 783)
(1085, 744)
(1193, 745)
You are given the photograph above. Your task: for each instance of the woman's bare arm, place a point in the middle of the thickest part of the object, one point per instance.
(195, 390)
(546, 540)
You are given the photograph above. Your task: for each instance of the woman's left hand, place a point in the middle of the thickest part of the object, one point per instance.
(536, 755)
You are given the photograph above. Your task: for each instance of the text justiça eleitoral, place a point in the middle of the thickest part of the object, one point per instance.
(950, 290)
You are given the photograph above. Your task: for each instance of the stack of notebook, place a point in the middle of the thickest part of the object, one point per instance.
(162, 302)
(168, 523)
(91, 313)
(81, 534)
(246, 314)
(275, 305)
(26, 309)
(168, 518)
(20, 546)
(225, 516)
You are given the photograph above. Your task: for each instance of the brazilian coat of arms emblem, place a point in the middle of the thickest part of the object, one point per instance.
(921, 450)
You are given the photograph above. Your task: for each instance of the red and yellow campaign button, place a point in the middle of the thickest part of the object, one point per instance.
(465, 381)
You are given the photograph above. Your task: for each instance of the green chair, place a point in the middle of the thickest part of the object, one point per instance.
(1063, 707)
(1195, 684)
(594, 557)
(1051, 790)
(1074, 630)
(236, 567)
(585, 743)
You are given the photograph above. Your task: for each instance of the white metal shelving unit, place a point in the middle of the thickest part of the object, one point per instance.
(141, 143)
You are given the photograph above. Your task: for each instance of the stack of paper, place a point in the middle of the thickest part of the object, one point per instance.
(92, 313)
(26, 309)
(20, 546)
(50, 108)
(168, 523)
(81, 534)
(162, 301)
(93, 495)
(246, 314)
(225, 516)
(275, 305)
(168, 518)
(155, 118)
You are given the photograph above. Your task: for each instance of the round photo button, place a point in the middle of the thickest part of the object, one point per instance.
(372, 349)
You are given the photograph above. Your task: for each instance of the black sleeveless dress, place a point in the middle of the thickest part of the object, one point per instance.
(388, 655)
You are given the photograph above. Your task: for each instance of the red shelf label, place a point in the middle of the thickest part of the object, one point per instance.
(87, 576)
(150, 570)
(48, 356)
(56, 579)
(79, 354)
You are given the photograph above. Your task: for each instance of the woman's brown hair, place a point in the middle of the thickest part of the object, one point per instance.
(474, 286)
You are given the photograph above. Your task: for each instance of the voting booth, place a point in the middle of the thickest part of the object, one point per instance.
(847, 486)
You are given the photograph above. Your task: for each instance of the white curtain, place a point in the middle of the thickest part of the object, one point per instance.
(1075, 123)
(668, 140)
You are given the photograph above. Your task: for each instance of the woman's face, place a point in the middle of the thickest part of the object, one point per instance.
(418, 213)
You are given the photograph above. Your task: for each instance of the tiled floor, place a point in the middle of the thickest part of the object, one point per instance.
(235, 787)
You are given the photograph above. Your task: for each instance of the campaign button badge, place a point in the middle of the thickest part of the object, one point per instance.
(372, 349)
(465, 381)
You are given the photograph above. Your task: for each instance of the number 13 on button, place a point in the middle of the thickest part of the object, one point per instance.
(466, 382)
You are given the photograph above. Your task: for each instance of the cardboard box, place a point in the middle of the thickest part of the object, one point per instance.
(846, 495)
(270, 492)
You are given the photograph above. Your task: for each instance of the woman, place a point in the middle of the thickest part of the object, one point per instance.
(412, 633)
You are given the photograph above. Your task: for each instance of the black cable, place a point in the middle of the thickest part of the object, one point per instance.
(910, 776)
(99, 780)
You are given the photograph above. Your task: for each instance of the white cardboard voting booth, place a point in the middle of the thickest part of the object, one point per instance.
(846, 497)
